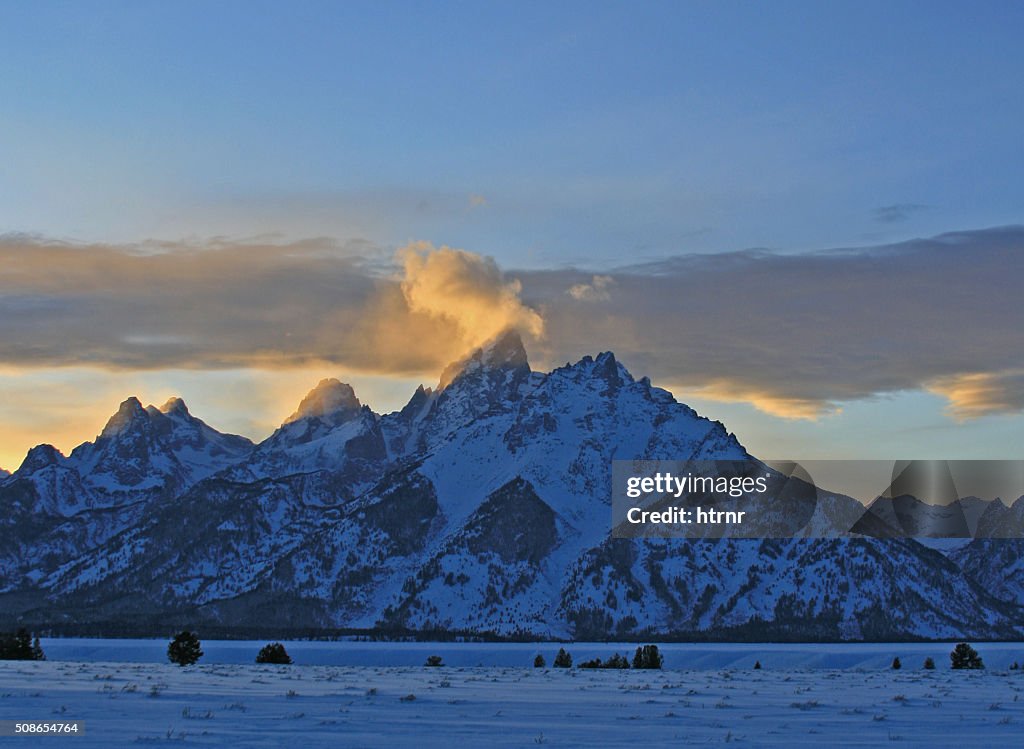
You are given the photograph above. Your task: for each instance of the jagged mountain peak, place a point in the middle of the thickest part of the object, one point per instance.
(174, 406)
(416, 403)
(39, 457)
(128, 413)
(330, 431)
(144, 450)
(607, 367)
(329, 398)
(504, 351)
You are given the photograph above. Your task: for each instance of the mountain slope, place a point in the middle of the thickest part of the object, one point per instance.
(483, 505)
(56, 508)
(330, 430)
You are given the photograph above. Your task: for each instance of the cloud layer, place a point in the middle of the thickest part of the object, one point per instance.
(797, 335)
(794, 335)
(249, 304)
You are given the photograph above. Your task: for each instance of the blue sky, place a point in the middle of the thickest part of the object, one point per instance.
(592, 130)
(547, 136)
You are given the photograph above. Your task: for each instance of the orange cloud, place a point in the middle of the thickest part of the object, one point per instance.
(464, 289)
(806, 409)
(978, 394)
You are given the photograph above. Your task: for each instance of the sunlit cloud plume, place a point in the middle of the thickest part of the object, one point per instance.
(465, 289)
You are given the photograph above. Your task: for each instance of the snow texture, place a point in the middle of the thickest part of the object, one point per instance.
(380, 705)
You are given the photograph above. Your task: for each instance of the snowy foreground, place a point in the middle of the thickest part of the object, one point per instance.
(231, 704)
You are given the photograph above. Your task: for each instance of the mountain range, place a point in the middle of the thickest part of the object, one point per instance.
(482, 507)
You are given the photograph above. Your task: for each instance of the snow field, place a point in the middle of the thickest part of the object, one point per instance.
(127, 704)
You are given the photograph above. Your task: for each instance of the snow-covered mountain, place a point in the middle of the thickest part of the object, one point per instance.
(141, 453)
(995, 558)
(906, 515)
(58, 507)
(483, 505)
(330, 431)
(143, 448)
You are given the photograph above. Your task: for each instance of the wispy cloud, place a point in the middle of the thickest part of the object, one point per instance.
(977, 394)
(595, 291)
(891, 214)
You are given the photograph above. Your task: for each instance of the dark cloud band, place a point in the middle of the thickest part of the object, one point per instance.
(794, 334)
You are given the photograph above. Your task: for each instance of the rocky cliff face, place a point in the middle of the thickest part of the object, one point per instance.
(483, 505)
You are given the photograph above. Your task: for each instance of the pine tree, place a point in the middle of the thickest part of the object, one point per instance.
(184, 649)
(647, 656)
(562, 659)
(929, 664)
(539, 661)
(757, 665)
(964, 656)
(617, 661)
(20, 647)
(896, 665)
(274, 653)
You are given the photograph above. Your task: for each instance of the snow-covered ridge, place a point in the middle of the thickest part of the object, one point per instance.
(483, 505)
